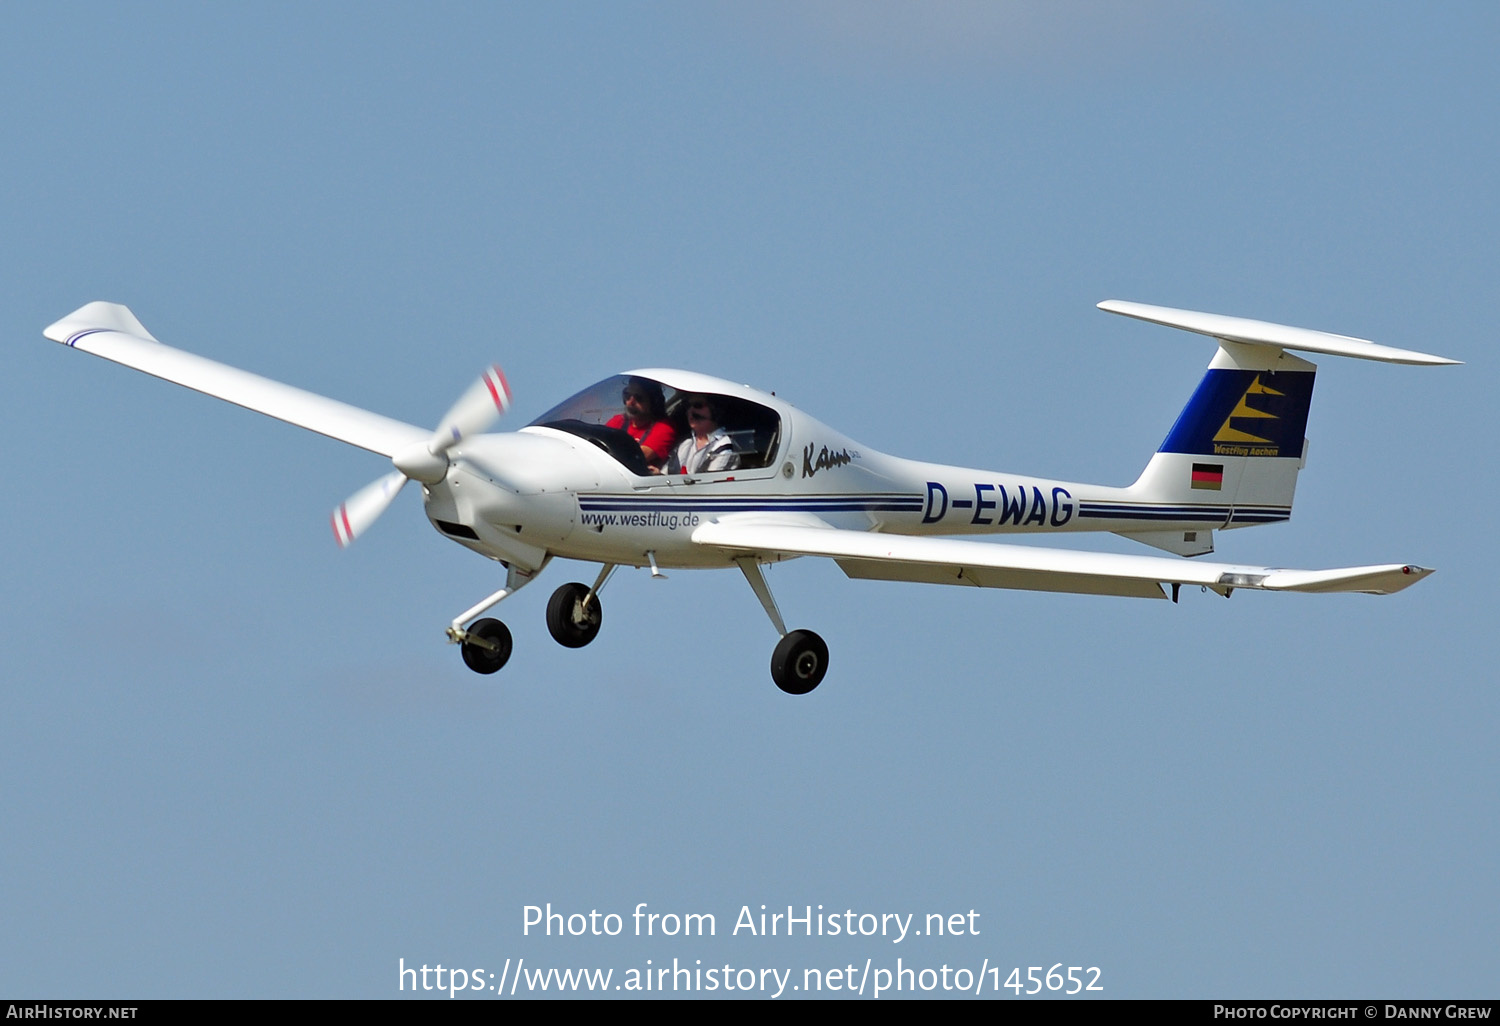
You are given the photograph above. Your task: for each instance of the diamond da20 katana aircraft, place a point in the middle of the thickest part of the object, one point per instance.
(577, 483)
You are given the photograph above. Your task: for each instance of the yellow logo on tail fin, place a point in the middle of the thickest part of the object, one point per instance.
(1244, 411)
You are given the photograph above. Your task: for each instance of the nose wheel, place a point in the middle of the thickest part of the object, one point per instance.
(486, 646)
(574, 615)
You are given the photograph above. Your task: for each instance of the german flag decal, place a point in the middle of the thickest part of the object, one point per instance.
(1208, 475)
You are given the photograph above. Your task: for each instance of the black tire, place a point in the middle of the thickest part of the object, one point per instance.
(799, 662)
(480, 659)
(571, 624)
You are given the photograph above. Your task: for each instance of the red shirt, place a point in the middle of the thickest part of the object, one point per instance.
(659, 437)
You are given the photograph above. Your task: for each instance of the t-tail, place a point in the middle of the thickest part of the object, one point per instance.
(1232, 457)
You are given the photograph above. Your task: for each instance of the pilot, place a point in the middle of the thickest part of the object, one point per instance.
(645, 420)
(709, 448)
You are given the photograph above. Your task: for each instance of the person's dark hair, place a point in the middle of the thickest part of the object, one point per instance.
(656, 402)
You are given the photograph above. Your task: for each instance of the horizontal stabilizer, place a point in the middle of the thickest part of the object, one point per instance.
(1264, 333)
(113, 332)
(994, 565)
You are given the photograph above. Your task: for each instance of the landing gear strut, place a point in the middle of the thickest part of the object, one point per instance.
(801, 657)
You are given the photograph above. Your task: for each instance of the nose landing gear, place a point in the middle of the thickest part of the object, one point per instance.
(486, 644)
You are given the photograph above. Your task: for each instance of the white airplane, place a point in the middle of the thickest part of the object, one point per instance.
(752, 480)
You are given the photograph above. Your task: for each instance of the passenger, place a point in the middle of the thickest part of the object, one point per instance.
(709, 449)
(645, 420)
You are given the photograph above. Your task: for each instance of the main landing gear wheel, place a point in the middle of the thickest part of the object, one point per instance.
(481, 657)
(572, 623)
(799, 662)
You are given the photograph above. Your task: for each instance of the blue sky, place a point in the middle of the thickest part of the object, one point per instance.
(236, 761)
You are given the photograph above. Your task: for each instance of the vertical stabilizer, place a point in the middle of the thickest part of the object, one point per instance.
(1239, 442)
(1232, 457)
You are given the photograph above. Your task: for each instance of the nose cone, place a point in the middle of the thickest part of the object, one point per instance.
(421, 464)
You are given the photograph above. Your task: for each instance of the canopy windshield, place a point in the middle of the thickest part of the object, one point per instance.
(600, 403)
(640, 422)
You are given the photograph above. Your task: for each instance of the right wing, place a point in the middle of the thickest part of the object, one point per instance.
(113, 332)
(890, 557)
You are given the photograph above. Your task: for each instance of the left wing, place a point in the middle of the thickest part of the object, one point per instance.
(889, 557)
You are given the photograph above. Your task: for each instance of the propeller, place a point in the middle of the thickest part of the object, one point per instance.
(479, 407)
(485, 401)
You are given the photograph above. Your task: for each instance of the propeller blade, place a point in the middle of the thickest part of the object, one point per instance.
(363, 507)
(476, 409)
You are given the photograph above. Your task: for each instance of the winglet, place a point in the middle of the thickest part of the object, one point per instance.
(1264, 333)
(1372, 580)
(97, 316)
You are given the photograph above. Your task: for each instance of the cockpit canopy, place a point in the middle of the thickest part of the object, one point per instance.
(599, 414)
